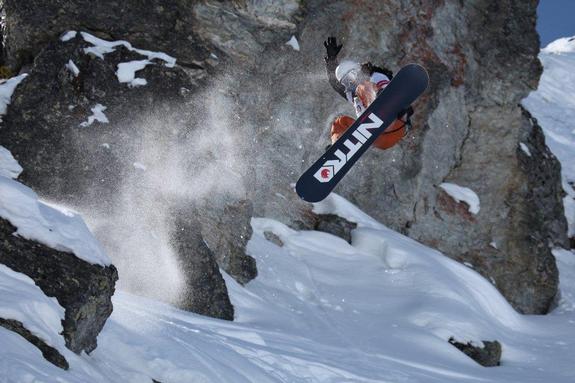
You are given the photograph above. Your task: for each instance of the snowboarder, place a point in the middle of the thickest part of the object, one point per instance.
(360, 85)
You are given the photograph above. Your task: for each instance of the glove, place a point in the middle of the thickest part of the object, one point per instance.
(331, 47)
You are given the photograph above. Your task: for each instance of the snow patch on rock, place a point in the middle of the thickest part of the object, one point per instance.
(97, 115)
(9, 167)
(525, 149)
(73, 68)
(293, 43)
(127, 72)
(7, 89)
(462, 194)
(68, 36)
(102, 47)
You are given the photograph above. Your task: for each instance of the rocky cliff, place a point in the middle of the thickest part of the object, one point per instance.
(482, 60)
(240, 115)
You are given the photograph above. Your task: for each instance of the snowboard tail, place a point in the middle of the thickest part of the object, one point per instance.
(320, 179)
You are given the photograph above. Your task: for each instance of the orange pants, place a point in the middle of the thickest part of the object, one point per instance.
(386, 140)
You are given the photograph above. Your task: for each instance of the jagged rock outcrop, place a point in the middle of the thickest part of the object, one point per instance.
(82, 288)
(228, 246)
(336, 225)
(48, 352)
(488, 356)
(205, 291)
(543, 187)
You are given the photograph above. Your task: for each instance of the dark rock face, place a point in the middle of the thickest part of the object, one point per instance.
(229, 246)
(83, 289)
(84, 160)
(206, 291)
(333, 224)
(487, 356)
(30, 27)
(49, 353)
(544, 191)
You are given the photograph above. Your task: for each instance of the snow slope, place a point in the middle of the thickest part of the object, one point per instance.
(553, 104)
(322, 310)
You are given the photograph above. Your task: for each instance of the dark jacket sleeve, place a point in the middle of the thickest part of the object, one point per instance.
(330, 65)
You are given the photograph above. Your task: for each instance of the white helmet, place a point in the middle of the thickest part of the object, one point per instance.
(345, 67)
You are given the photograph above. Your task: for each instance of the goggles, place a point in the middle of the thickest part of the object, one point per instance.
(351, 80)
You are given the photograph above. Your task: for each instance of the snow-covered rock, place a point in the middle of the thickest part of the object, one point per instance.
(54, 249)
(25, 310)
(56, 227)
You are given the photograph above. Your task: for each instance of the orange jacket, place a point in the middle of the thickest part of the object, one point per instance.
(366, 92)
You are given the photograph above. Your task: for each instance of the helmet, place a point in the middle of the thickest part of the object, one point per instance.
(348, 73)
(345, 67)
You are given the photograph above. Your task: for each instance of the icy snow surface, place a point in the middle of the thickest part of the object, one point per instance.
(553, 104)
(51, 225)
(97, 115)
(6, 89)
(462, 194)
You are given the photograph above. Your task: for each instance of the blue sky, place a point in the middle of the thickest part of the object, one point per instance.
(555, 18)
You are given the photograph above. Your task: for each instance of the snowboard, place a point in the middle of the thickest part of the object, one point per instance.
(321, 177)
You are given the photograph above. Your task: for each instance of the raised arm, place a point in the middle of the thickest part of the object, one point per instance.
(332, 50)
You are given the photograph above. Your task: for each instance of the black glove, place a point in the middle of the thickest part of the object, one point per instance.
(331, 48)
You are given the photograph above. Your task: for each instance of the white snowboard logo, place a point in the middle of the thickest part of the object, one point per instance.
(330, 168)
